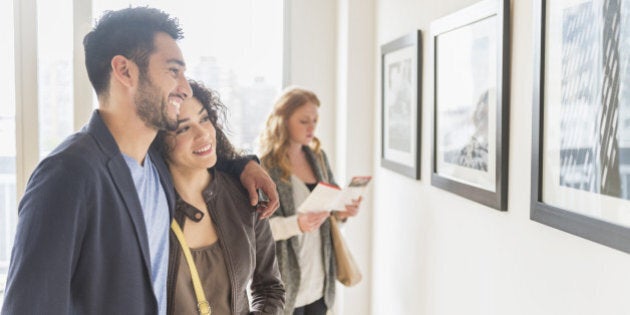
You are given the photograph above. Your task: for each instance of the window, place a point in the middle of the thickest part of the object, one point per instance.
(234, 47)
(54, 65)
(7, 142)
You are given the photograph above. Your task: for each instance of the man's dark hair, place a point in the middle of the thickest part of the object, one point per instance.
(128, 32)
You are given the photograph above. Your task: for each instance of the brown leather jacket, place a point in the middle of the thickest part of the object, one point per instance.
(247, 243)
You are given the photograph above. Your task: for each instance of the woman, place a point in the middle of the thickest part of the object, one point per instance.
(230, 246)
(292, 155)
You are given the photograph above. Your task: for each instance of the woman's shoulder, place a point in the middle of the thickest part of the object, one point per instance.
(232, 194)
(228, 181)
(275, 173)
(319, 152)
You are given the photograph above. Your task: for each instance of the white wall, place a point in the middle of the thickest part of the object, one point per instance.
(312, 58)
(354, 115)
(424, 250)
(437, 253)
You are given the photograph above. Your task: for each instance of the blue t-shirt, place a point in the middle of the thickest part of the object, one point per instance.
(156, 219)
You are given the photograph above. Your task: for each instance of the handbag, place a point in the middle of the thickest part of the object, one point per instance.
(348, 272)
(202, 304)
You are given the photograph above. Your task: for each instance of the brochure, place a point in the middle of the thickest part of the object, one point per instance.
(327, 197)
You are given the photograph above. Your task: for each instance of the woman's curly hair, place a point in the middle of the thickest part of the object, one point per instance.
(211, 102)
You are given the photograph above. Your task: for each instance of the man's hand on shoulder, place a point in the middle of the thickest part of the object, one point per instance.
(253, 178)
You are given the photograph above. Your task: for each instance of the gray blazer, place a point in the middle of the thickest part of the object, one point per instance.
(287, 250)
(81, 245)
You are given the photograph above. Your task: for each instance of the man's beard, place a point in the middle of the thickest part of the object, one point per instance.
(151, 107)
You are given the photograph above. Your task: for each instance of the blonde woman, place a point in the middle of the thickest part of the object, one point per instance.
(292, 155)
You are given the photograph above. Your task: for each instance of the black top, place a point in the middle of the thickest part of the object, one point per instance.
(310, 186)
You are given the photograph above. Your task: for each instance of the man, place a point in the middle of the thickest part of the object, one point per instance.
(92, 235)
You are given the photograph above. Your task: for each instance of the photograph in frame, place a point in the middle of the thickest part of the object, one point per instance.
(400, 105)
(581, 147)
(471, 103)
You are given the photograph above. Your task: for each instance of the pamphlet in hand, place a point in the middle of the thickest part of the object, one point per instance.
(327, 197)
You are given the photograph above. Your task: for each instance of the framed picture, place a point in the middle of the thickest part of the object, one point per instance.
(471, 102)
(581, 113)
(401, 115)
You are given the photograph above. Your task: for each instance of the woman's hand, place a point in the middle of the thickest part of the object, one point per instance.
(311, 221)
(351, 210)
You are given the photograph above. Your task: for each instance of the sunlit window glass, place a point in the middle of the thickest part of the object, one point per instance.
(234, 47)
(54, 58)
(8, 211)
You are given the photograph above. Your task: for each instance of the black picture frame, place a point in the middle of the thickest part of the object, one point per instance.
(401, 109)
(471, 103)
(560, 199)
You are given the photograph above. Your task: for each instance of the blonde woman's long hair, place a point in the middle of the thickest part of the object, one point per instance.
(275, 139)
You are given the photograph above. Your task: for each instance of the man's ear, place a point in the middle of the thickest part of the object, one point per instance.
(124, 70)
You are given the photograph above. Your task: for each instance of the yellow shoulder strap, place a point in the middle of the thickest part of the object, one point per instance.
(202, 304)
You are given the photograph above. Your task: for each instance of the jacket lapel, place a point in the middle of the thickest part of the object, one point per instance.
(285, 191)
(165, 179)
(121, 176)
(313, 161)
(119, 172)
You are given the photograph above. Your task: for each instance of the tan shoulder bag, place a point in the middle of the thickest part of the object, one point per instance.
(348, 272)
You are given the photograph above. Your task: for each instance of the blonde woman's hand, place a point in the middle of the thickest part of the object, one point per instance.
(311, 221)
(351, 210)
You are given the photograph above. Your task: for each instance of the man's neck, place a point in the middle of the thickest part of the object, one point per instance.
(131, 134)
